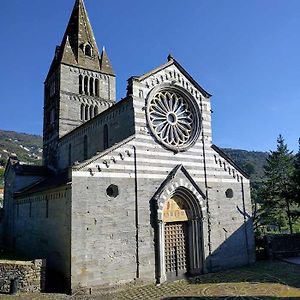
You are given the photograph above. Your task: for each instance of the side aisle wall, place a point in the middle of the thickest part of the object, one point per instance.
(42, 226)
(13, 183)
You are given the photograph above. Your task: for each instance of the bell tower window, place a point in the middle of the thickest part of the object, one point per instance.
(86, 85)
(80, 84)
(82, 112)
(91, 112)
(97, 87)
(88, 50)
(92, 86)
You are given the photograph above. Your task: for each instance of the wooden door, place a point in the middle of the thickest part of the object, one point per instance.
(176, 249)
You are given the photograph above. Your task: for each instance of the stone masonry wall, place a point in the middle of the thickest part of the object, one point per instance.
(71, 99)
(30, 275)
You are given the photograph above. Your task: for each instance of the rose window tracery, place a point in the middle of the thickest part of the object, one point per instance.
(172, 119)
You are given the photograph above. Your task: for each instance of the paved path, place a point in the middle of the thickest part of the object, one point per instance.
(264, 281)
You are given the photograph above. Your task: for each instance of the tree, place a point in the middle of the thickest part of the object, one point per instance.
(296, 177)
(276, 188)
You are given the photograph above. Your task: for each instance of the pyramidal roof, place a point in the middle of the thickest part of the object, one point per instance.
(105, 64)
(78, 36)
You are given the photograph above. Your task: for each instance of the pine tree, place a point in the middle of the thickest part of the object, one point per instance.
(276, 189)
(295, 183)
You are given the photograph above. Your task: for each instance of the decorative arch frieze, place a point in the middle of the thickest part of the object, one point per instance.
(168, 76)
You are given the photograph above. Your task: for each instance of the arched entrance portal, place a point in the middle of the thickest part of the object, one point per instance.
(180, 236)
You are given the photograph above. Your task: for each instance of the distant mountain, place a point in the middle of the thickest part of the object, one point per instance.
(28, 148)
(252, 162)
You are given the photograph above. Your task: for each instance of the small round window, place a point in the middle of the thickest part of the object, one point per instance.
(112, 191)
(229, 193)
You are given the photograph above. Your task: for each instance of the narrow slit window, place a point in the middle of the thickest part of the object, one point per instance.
(70, 154)
(85, 148)
(47, 207)
(105, 136)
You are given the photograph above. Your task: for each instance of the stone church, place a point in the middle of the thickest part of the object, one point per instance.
(131, 189)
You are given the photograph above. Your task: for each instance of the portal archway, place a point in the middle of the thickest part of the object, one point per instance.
(180, 235)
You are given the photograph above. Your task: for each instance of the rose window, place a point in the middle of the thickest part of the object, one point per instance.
(172, 119)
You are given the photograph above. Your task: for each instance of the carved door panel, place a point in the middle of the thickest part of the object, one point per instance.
(176, 254)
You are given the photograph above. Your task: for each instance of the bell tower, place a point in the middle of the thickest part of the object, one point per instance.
(80, 83)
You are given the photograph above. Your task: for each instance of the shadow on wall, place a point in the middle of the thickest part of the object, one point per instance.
(55, 280)
(236, 249)
(232, 253)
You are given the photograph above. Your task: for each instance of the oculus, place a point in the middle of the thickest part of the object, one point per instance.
(229, 193)
(173, 117)
(112, 191)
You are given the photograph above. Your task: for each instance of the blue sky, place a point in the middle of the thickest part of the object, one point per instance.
(245, 53)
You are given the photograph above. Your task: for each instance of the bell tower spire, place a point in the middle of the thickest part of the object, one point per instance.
(80, 83)
(79, 46)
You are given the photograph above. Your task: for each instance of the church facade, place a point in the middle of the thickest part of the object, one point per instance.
(128, 190)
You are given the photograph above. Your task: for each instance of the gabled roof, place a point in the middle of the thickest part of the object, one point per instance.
(27, 170)
(79, 33)
(50, 182)
(172, 61)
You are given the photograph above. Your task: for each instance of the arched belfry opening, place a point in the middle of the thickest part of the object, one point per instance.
(179, 242)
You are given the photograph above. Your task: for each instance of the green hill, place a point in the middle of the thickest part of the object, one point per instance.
(252, 162)
(27, 147)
